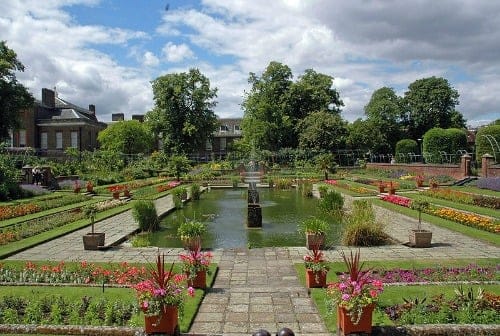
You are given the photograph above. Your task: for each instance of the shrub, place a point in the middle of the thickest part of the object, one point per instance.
(446, 140)
(306, 189)
(191, 228)
(283, 183)
(195, 191)
(144, 213)
(323, 190)
(404, 147)
(483, 145)
(332, 202)
(361, 227)
(313, 225)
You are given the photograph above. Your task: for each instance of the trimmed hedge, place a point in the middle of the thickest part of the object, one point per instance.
(438, 140)
(483, 146)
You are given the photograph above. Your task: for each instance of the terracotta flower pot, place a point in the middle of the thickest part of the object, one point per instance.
(165, 323)
(315, 279)
(199, 281)
(192, 243)
(364, 325)
(116, 195)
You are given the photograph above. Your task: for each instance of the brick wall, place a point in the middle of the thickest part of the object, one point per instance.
(424, 169)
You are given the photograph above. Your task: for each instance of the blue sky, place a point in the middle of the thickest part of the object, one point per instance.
(107, 52)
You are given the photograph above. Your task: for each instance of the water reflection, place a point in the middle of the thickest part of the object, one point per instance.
(225, 210)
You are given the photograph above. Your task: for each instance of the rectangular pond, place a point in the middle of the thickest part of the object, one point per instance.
(225, 212)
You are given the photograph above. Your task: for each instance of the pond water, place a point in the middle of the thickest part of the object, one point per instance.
(225, 212)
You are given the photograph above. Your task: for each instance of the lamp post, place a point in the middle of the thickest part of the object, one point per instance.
(419, 140)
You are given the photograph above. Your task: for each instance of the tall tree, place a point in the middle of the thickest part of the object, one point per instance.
(275, 105)
(428, 103)
(13, 95)
(365, 135)
(129, 137)
(383, 111)
(183, 111)
(322, 131)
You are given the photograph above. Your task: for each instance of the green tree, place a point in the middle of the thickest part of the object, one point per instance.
(179, 164)
(129, 137)
(384, 112)
(13, 95)
(183, 112)
(367, 136)
(275, 105)
(322, 131)
(325, 163)
(428, 103)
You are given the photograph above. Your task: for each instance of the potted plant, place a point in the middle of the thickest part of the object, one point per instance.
(381, 187)
(190, 232)
(420, 237)
(92, 240)
(316, 268)
(161, 299)
(90, 187)
(77, 187)
(115, 191)
(126, 191)
(315, 231)
(392, 188)
(354, 296)
(433, 183)
(195, 264)
(419, 180)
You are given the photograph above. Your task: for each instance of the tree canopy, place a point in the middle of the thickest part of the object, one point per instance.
(322, 131)
(428, 103)
(13, 95)
(129, 137)
(183, 112)
(275, 105)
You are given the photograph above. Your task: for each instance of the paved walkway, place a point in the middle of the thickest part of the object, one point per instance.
(259, 288)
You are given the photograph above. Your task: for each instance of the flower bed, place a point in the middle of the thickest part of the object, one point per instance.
(347, 186)
(26, 208)
(168, 186)
(465, 218)
(29, 228)
(462, 197)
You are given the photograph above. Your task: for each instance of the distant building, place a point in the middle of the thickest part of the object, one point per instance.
(53, 125)
(228, 131)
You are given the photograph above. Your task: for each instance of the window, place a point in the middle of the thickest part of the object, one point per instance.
(237, 129)
(208, 145)
(224, 128)
(223, 144)
(59, 144)
(22, 138)
(43, 140)
(74, 139)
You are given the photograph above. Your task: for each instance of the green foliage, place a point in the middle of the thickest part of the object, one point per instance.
(361, 228)
(406, 146)
(322, 131)
(9, 188)
(13, 95)
(439, 140)
(367, 136)
(183, 111)
(191, 228)
(144, 213)
(129, 136)
(332, 202)
(430, 102)
(178, 165)
(313, 225)
(195, 191)
(485, 146)
(323, 190)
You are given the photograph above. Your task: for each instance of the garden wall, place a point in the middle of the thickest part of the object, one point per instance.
(420, 168)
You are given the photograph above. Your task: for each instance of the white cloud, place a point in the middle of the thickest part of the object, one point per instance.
(149, 59)
(177, 53)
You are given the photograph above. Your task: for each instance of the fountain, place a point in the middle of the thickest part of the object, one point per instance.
(254, 216)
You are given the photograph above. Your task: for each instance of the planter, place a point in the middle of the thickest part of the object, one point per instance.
(346, 326)
(315, 240)
(116, 195)
(165, 323)
(315, 279)
(92, 241)
(434, 185)
(192, 243)
(420, 184)
(420, 238)
(90, 189)
(126, 193)
(392, 191)
(381, 189)
(199, 281)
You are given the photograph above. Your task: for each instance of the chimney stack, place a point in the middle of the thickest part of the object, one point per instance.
(92, 109)
(48, 98)
(117, 117)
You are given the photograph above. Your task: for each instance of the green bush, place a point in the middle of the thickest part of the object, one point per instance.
(144, 213)
(438, 140)
(313, 225)
(483, 145)
(332, 202)
(323, 190)
(404, 147)
(361, 227)
(195, 191)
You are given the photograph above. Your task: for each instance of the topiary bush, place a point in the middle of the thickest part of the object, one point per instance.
(483, 145)
(439, 140)
(405, 146)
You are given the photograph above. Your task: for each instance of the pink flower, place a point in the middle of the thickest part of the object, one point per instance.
(191, 291)
(373, 293)
(346, 297)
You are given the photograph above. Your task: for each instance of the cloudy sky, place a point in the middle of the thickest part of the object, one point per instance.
(106, 52)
